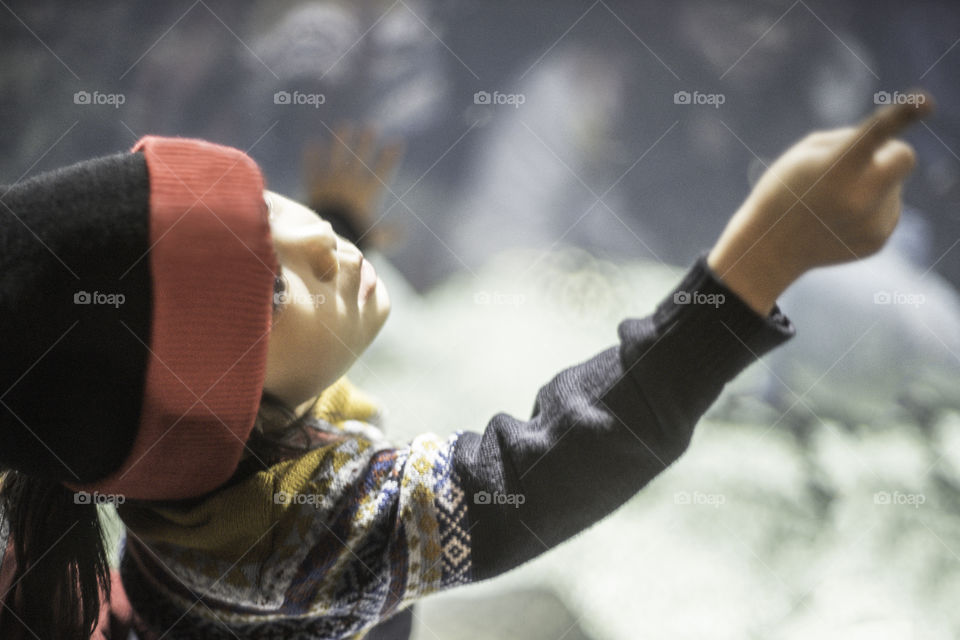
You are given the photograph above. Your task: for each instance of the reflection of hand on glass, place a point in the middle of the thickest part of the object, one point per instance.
(344, 178)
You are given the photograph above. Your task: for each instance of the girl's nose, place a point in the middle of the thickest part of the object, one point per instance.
(321, 248)
(314, 245)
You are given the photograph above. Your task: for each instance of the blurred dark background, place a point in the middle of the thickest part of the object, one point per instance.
(598, 154)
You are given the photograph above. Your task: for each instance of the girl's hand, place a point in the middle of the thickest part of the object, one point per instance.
(348, 171)
(833, 197)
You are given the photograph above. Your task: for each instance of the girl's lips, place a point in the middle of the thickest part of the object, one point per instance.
(368, 278)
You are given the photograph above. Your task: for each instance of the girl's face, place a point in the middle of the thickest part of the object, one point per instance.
(322, 322)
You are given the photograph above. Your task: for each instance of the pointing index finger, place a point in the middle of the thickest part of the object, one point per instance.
(887, 121)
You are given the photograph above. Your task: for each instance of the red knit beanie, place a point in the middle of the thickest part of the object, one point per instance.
(151, 396)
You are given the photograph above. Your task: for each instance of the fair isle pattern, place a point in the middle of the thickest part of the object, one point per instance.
(372, 529)
(433, 512)
(286, 533)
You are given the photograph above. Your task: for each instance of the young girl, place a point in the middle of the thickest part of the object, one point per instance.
(176, 339)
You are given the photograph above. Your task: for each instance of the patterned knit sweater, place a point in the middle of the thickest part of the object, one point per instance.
(329, 543)
(295, 551)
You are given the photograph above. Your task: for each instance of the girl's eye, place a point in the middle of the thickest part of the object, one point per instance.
(279, 292)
